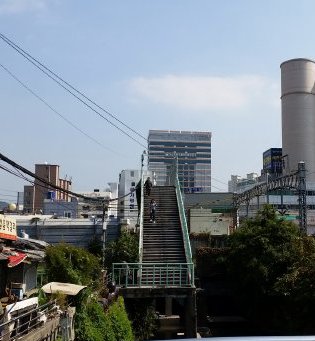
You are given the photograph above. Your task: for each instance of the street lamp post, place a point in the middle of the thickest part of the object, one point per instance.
(142, 163)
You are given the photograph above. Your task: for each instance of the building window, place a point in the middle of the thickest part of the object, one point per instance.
(133, 183)
(67, 214)
(132, 174)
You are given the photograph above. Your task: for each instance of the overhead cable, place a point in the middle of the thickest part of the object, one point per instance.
(51, 75)
(49, 184)
(51, 108)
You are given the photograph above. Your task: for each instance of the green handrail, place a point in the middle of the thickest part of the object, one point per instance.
(175, 182)
(130, 275)
(141, 219)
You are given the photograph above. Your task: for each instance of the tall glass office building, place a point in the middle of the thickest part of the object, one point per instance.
(193, 151)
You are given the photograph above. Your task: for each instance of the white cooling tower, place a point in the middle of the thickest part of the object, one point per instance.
(298, 115)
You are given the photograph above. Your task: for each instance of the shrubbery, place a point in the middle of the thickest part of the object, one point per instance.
(270, 265)
(66, 263)
(93, 324)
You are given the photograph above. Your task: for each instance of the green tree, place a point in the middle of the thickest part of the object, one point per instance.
(120, 323)
(145, 321)
(263, 251)
(67, 263)
(92, 323)
(125, 249)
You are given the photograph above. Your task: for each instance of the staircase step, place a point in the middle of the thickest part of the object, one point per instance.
(163, 241)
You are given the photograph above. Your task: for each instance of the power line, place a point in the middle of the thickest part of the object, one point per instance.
(47, 183)
(51, 108)
(8, 195)
(221, 182)
(59, 81)
(33, 175)
(7, 190)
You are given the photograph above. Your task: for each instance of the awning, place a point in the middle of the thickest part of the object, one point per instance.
(16, 259)
(64, 288)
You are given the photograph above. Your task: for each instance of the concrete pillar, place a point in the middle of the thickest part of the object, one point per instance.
(191, 315)
(168, 306)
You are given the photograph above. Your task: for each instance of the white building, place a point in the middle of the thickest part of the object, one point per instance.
(127, 203)
(95, 210)
(237, 184)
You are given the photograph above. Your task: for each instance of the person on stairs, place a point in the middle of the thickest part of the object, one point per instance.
(148, 186)
(152, 210)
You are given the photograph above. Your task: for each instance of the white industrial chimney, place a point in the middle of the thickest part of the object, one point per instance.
(298, 115)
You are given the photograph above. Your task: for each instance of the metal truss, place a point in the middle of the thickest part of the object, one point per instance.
(294, 180)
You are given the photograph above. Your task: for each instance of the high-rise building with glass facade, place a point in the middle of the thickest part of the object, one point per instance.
(193, 152)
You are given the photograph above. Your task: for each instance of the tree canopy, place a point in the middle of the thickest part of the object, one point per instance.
(124, 249)
(272, 268)
(67, 263)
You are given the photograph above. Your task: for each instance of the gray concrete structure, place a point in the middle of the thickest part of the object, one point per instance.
(298, 115)
(78, 232)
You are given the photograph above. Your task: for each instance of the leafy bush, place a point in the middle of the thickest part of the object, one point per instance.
(120, 322)
(144, 318)
(67, 263)
(92, 324)
(125, 249)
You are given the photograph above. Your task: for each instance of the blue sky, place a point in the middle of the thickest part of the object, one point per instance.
(179, 65)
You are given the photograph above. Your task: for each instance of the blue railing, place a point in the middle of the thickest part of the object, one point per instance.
(164, 275)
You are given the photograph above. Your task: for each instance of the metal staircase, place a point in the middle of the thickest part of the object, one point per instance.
(163, 241)
(165, 258)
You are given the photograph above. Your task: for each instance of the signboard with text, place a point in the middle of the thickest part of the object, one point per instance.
(7, 227)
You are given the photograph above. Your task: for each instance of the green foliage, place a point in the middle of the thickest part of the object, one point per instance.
(261, 251)
(67, 263)
(209, 261)
(144, 318)
(42, 298)
(125, 249)
(298, 282)
(204, 236)
(272, 267)
(96, 247)
(92, 324)
(120, 322)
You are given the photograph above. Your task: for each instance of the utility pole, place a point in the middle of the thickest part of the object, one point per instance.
(104, 228)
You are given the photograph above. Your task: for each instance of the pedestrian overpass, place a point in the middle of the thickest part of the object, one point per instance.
(165, 271)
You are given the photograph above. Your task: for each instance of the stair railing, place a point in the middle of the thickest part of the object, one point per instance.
(153, 275)
(175, 182)
(141, 219)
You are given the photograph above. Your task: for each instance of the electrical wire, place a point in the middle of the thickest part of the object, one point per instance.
(8, 195)
(53, 109)
(8, 190)
(51, 75)
(48, 184)
(12, 44)
(221, 182)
